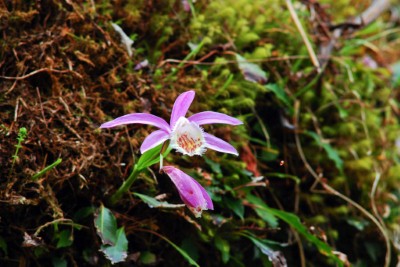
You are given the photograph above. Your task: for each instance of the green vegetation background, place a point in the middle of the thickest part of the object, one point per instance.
(317, 181)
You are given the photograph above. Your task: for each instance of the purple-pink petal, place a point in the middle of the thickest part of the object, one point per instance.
(181, 106)
(208, 117)
(209, 202)
(218, 144)
(141, 118)
(153, 140)
(190, 191)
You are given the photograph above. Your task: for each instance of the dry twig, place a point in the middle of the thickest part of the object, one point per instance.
(303, 34)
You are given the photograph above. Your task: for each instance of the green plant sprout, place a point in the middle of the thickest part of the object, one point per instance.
(22, 134)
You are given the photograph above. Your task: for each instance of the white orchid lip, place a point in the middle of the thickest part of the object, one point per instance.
(188, 138)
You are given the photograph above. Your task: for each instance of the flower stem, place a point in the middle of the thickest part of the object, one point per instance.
(125, 186)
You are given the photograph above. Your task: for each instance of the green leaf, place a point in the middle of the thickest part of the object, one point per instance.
(59, 262)
(181, 251)
(357, 223)
(148, 156)
(280, 93)
(65, 239)
(269, 154)
(118, 252)
(151, 157)
(331, 152)
(236, 205)
(3, 245)
(154, 203)
(223, 246)
(106, 226)
(283, 176)
(308, 86)
(262, 210)
(157, 158)
(294, 222)
(189, 245)
(83, 213)
(276, 257)
(215, 167)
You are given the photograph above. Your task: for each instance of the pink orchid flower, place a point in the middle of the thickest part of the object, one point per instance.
(191, 192)
(186, 135)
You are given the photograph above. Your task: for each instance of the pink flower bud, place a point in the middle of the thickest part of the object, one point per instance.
(191, 192)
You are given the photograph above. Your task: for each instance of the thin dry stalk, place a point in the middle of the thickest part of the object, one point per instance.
(303, 34)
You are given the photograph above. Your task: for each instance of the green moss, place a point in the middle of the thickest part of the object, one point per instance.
(393, 173)
(261, 52)
(319, 219)
(382, 95)
(362, 165)
(347, 129)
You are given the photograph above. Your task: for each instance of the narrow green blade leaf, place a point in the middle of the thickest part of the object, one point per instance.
(294, 222)
(148, 156)
(262, 210)
(283, 176)
(157, 158)
(48, 168)
(280, 93)
(236, 206)
(181, 251)
(151, 157)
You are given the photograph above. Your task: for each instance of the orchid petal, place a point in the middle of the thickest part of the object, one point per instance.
(209, 202)
(141, 118)
(218, 144)
(207, 117)
(191, 192)
(153, 140)
(181, 106)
